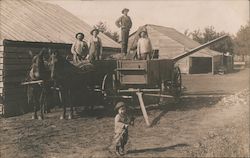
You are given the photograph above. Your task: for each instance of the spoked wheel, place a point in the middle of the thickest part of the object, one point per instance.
(176, 83)
(109, 88)
(172, 88)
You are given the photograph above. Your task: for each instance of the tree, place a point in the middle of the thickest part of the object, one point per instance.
(197, 36)
(242, 41)
(102, 27)
(209, 34)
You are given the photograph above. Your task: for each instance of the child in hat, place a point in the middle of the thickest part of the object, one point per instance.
(144, 46)
(122, 121)
(79, 48)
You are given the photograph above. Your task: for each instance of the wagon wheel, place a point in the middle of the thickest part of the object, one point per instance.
(176, 83)
(109, 87)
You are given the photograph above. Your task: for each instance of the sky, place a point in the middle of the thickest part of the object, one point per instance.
(224, 15)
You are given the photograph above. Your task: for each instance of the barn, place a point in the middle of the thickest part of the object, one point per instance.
(31, 25)
(171, 43)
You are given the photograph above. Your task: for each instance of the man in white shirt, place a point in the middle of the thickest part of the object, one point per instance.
(144, 46)
(79, 48)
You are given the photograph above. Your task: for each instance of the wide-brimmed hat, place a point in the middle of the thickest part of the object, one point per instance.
(125, 9)
(91, 32)
(119, 105)
(142, 32)
(79, 33)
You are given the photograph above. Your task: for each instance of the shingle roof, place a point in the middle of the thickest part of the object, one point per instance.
(175, 36)
(36, 21)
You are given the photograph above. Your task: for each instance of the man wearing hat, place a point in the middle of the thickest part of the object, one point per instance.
(125, 23)
(79, 48)
(144, 46)
(122, 120)
(95, 46)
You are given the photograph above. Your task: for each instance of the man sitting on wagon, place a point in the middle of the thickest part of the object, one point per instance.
(144, 46)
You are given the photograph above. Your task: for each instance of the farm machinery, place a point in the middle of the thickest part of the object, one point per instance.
(157, 77)
(123, 78)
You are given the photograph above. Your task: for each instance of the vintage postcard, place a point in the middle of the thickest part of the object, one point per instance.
(136, 78)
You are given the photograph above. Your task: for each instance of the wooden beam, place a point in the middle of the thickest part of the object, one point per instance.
(159, 95)
(138, 90)
(32, 82)
(143, 109)
(122, 96)
(189, 52)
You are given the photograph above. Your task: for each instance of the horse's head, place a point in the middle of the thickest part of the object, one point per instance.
(37, 66)
(55, 65)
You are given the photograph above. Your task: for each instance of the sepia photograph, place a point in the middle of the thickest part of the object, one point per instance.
(124, 78)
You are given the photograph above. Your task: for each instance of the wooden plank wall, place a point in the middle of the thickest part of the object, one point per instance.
(15, 66)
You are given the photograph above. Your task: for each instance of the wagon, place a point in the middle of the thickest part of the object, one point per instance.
(123, 78)
(157, 77)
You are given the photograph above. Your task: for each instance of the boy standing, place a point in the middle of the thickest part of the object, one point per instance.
(122, 122)
(144, 46)
(79, 48)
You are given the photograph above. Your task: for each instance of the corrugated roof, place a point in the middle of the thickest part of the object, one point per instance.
(173, 35)
(36, 21)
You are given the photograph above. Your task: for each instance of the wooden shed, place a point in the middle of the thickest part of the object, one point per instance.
(171, 43)
(32, 25)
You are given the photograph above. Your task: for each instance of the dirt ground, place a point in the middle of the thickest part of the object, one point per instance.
(199, 125)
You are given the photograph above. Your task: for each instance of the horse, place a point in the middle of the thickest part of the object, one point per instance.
(38, 93)
(70, 81)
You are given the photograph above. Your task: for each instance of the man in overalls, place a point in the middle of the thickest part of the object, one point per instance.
(95, 46)
(125, 23)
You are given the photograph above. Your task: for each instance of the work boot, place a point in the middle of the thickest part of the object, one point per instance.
(122, 151)
(117, 152)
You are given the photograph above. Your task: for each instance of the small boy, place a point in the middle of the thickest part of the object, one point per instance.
(79, 48)
(122, 121)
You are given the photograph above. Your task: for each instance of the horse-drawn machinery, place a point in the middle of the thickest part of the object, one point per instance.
(123, 78)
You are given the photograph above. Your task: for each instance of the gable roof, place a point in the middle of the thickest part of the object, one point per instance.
(36, 21)
(155, 31)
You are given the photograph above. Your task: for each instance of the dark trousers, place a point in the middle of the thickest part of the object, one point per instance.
(124, 37)
(94, 56)
(145, 56)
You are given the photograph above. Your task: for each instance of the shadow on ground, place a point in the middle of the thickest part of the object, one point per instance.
(158, 149)
(185, 104)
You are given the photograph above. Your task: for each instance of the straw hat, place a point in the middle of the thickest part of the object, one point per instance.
(142, 32)
(125, 9)
(79, 33)
(91, 32)
(119, 105)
